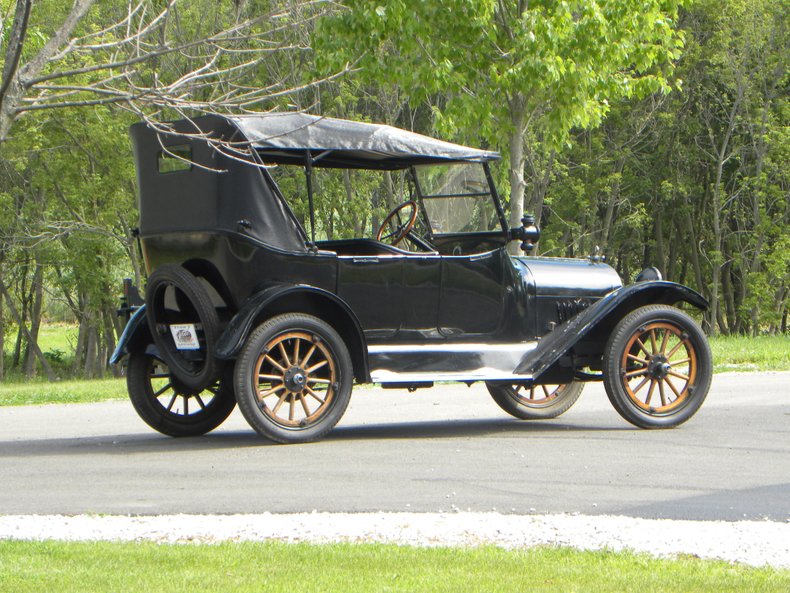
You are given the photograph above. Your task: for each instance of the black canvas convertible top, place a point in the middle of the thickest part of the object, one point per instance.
(291, 137)
(216, 188)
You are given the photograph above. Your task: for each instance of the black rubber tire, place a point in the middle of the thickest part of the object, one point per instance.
(217, 400)
(509, 398)
(194, 306)
(293, 330)
(624, 381)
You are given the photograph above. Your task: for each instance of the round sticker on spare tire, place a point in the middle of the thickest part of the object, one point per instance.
(185, 336)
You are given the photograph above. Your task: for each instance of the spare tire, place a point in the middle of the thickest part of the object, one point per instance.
(184, 324)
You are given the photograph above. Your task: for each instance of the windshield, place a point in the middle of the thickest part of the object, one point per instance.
(457, 198)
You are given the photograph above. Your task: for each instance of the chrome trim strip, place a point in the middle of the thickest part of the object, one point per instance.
(516, 348)
(384, 376)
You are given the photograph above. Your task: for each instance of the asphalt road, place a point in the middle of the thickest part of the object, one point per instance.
(439, 449)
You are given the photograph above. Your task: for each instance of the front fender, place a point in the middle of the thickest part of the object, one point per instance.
(605, 312)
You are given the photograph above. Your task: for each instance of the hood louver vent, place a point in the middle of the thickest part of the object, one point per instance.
(570, 308)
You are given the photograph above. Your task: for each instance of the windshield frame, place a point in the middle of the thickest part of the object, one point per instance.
(492, 192)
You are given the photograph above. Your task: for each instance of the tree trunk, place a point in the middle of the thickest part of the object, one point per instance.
(35, 321)
(672, 260)
(17, 318)
(694, 254)
(723, 154)
(21, 327)
(110, 331)
(516, 169)
(612, 200)
(82, 334)
(727, 293)
(541, 176)
(2, 334)
(91, 351)
(658, 234)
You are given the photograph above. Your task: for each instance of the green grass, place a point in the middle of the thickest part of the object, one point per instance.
(742, 353)
(272, 567)
(61, 337)
(58, 341)
(62, 392)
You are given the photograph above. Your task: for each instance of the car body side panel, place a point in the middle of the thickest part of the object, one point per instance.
(244, 264)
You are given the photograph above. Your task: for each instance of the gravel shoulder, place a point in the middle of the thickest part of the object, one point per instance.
(754, 543)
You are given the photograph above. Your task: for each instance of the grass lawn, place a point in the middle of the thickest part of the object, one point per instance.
(272, 567)
(13, 393)
(742, 353)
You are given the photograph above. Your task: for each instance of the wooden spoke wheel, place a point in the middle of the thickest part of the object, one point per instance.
(297, 379)
(535, 402)
(658, 367)
(294, 378)
(171, 408)
(659, 354)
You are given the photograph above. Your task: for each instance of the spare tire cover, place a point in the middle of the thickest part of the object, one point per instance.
(184, 324)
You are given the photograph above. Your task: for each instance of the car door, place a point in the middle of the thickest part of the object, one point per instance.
(372, 286)
(472, 295)
(395, 297)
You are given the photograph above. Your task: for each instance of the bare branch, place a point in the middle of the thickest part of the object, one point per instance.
(15, 44)
(148, 60)
(34, 66)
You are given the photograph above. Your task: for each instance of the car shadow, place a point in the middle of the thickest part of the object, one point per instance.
(448, 429)
(125, 444)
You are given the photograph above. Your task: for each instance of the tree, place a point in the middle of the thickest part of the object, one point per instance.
(519, 75)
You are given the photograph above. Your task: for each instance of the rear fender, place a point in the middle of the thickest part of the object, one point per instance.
(601, 317)
(292, 299)
(136, 337)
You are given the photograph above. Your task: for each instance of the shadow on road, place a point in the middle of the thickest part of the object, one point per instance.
(125, 444)
(448, 429)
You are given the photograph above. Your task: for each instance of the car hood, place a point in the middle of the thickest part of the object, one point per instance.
(554, 276)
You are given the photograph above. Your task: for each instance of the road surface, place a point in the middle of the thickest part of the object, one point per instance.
(442, 449)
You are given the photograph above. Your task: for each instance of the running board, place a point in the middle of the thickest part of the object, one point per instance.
(412, 363)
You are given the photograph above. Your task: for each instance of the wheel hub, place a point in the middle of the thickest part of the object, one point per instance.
(295, 379)
(658, 367)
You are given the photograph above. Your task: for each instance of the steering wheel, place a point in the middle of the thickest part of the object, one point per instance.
(403, 229)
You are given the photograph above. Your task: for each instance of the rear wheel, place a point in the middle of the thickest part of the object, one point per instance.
(536, 402)
(168, 406)
(657, 367)
(293, 378)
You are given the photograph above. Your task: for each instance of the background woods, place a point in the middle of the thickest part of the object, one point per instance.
(656, 132)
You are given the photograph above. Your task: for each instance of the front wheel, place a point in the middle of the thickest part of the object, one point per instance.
(168, 406)
(657, 367)
(293, 378)
(536, 402)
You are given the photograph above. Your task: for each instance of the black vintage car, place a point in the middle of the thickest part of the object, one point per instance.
(243, 305)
